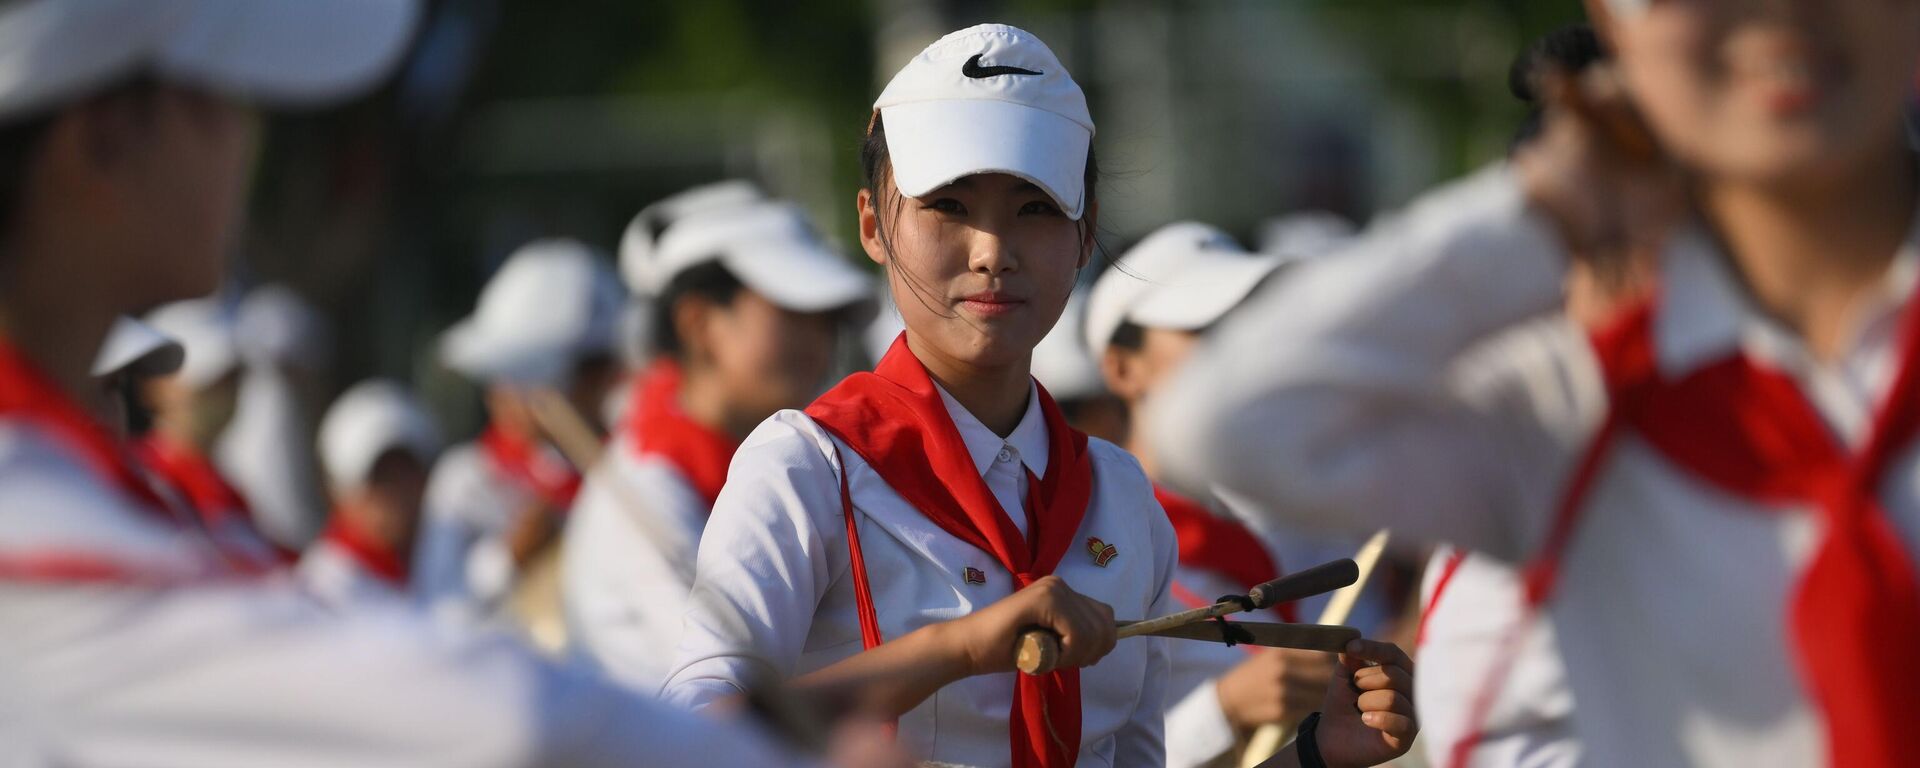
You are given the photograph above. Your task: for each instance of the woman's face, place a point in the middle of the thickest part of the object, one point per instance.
(1767, 90)
(980, 268)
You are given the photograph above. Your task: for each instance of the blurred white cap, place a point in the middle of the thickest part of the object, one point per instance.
(988, 99)
(204, 328)
(1306, 233)
(275, 325)
(551, 304)
(368, 420)
(1182, 277)
(771, 248)
(640, 242)
(289, 52)
(135, 348)
(1061, 362)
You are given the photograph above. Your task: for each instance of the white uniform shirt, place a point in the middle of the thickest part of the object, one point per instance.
(774, 594)
(259, 673)
(1336, 403)
(338, 578)
(462, 563)
(1465, 627)
(625, 578)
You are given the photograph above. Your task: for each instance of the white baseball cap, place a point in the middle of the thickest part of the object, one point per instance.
(1060, 360)
(1182, 277)
(550, 304)
(288, 52)
(204, 328)
(771, 248)
(368, 420)
(988, 99)
(640, 242)
(135, 348)
(275, 325)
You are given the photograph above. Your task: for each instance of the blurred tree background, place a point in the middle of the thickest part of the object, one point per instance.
(517, 119)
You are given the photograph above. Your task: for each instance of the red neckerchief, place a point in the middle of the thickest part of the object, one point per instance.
(895, 419)
(370, 553)
(555, 482)
(1749, 431)
(660, 428)
(27, 396)
(1210, 542)
(196, 478)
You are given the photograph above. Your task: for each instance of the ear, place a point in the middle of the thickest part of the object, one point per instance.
(1092, 221)
(692, 318)
(867, 204)
(1121, 369)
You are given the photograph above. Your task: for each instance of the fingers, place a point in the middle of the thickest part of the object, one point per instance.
(1085, 625)
(1361, 654)
(1383, 679)
(1393, 724)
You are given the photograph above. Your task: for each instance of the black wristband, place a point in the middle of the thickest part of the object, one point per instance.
(1306, 746)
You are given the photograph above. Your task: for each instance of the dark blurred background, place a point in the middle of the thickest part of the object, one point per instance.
(516, 119)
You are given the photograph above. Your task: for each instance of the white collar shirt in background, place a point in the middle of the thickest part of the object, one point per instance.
(1673, 599)
(773, 594)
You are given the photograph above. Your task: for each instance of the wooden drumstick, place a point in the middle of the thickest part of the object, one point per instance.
(1039, 649)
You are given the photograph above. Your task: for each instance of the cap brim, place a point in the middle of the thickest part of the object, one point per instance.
(932, 143)
(797, 276)
(135, 348)
(1203, 291)
(288, 52)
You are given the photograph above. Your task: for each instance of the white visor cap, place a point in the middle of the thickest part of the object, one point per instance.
(136, 349)
(639, 244)
(551, 304)
(1183, 277)
(988, 99)
(368, 420)
(286, 52)
(771, 248)
(204, 328)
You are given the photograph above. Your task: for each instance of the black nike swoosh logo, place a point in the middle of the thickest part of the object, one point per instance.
(973, 69)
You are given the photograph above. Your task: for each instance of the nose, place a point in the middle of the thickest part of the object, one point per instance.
(990, 254)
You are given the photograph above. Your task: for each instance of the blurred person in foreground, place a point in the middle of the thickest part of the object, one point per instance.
(749, 305)
(376, 443)
(124, 636)
(1710, 488)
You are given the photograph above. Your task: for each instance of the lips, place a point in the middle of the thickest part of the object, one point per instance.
(991, 303)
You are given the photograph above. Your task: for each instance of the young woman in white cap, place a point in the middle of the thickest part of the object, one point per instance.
(125, 638)
(1143, 319)
(898, 535)
(376, 443)
(189, 409)
(546, 326)
(749, 303)
(1710, 496)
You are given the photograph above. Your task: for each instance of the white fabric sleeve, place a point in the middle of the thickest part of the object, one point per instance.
(1330, 400)
(1142, 741)
(767, 558)
(260, 675)
(1197, 728)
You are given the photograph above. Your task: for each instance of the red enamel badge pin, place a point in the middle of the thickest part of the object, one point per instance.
(1102, 552)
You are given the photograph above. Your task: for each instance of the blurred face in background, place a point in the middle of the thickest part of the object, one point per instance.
(1133, 373)
(1767, 91)
(758, 357)
(389, 506)
(594, 379)
(196, 416)
(980, 268)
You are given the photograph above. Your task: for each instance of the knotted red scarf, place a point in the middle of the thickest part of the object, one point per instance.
(895, 419)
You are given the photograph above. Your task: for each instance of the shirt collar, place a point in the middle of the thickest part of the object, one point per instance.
(1705, 313)
(1029, 438)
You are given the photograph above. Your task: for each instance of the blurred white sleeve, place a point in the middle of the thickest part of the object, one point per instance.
(1197, 728)
(765, 562)
(259, 675)
(1332, 400)
(1143, 740)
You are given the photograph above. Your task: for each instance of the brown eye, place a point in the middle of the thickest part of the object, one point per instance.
(1039, 208)
(946, 205)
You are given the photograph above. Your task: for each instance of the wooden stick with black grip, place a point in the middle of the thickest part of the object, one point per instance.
(1039, 650)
